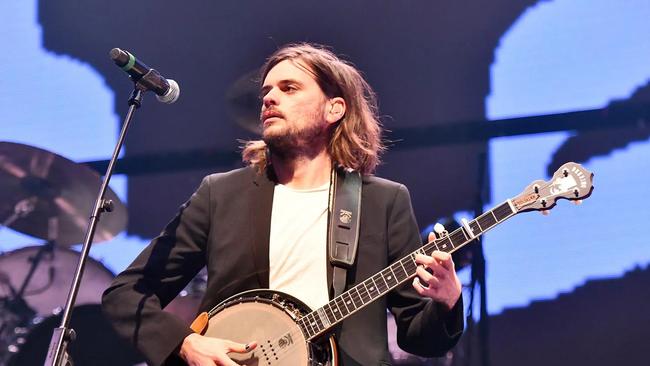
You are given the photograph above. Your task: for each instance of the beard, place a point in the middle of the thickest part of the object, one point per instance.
(289, 141)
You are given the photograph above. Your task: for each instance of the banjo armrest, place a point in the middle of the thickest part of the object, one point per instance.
(200, 323)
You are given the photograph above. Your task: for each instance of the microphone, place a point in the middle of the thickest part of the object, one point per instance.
(167, 90)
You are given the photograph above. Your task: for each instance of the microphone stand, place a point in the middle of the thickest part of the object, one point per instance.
(57, 352)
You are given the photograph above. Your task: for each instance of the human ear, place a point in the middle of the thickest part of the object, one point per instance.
(336, 110)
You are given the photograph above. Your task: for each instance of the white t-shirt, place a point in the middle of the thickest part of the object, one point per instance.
(297, 247)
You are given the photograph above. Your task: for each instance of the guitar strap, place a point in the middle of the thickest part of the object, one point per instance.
(343, 233)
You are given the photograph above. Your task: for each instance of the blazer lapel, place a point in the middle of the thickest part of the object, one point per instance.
(260, 207)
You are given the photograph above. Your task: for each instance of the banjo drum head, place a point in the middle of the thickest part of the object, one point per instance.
(279, 339)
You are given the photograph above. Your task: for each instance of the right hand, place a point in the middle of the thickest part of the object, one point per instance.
(198, 350)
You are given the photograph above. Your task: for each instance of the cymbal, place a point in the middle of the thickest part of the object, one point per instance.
(242, 100)
(47, 196)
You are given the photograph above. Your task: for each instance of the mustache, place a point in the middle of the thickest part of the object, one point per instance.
(271, 112)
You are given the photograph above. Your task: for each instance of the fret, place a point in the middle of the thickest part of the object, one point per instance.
(316, 322)
(324, 311)
(382, 286)
(404, 261)
(330, 313)
(478, 222)
(502, 211)
(349, 301)
(312, 328)
(446, 245)
(399, 271)
(313, 325)
(496, 221)
(340, 303)
(487, 220)
(409, 266)
(372, 290)
(334, 311)
(428, 248)
(311, 319)
(389, 277)
(356, 297)
(365, 295)
(458, 237)
(475, 228)
(361, 294)
(305, 326)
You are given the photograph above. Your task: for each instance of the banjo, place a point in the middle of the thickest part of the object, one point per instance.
(289, 333)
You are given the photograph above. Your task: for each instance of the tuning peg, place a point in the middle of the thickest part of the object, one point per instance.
(439, 228)
(546, 212)
(577, 202)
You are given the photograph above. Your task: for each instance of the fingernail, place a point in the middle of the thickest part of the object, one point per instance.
(247, 347)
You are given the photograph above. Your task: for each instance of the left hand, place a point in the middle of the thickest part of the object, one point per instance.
(440, 283)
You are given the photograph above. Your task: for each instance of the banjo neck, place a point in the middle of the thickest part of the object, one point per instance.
(571, 181)
(321, 320)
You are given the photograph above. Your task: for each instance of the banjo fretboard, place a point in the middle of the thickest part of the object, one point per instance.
(349, 302)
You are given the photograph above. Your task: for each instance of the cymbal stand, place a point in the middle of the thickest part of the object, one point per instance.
(57, 354)
(21, 209)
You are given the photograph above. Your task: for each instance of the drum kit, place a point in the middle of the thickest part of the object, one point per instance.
(49, 197)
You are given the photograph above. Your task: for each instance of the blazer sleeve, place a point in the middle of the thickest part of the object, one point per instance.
(134, 301)
(424, 327)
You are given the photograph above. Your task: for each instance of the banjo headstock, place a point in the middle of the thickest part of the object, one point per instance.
(571, 181)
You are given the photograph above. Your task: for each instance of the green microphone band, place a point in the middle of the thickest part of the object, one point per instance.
(129, 64)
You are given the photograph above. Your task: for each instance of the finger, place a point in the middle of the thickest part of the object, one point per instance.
(423, 276)
(417, 285)
(443, 259)
(423, 290)
(434, 265)
(240, 347)
(213, 362)
(226, 361)
(427, 279)
(424, 259)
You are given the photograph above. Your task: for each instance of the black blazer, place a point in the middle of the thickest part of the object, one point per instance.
(226, 225)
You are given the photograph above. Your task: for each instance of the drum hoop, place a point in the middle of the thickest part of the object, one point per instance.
(264, 296)
(60, 249)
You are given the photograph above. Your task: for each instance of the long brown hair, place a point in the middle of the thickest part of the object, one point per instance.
(355, 141)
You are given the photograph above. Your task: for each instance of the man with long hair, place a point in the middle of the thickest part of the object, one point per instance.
(265, 226)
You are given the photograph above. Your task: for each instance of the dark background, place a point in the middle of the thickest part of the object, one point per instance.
(207, 46)
(429, 62)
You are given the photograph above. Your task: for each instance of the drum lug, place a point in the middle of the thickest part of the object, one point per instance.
(276, 298)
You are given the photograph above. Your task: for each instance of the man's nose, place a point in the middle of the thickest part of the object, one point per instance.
(270, 98)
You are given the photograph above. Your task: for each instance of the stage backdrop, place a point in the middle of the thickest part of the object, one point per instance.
(431, 63)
